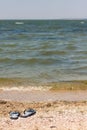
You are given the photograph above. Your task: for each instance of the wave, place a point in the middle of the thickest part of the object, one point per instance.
(38, 61)
(4, 60)
(80, 68)
(55, 52)
(19, 22)
(33, 61)
(1, 49)
(15, 82)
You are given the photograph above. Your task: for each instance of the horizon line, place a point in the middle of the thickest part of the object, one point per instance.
(44, 19)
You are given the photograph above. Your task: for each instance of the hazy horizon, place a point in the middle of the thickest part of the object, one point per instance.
(44, 19)
(37, 9)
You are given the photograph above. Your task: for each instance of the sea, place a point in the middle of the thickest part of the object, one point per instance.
(43, 51)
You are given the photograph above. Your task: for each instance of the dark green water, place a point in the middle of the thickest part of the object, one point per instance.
(42, 51)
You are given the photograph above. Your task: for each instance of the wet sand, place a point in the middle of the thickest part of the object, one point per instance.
(40, 95)
(57, 110)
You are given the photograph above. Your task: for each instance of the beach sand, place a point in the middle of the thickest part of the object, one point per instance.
(61, 110)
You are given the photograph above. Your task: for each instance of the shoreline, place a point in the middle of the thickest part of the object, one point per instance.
(56, 109)
(25, 84)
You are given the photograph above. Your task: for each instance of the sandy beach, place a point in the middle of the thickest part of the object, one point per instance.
(54, 110)
(43, 66)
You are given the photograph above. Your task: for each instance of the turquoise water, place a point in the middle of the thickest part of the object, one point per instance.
(43, 51)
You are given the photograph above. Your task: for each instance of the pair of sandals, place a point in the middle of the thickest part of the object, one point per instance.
(26, 113)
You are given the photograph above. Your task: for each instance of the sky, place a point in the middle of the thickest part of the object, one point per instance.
(43, 9)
